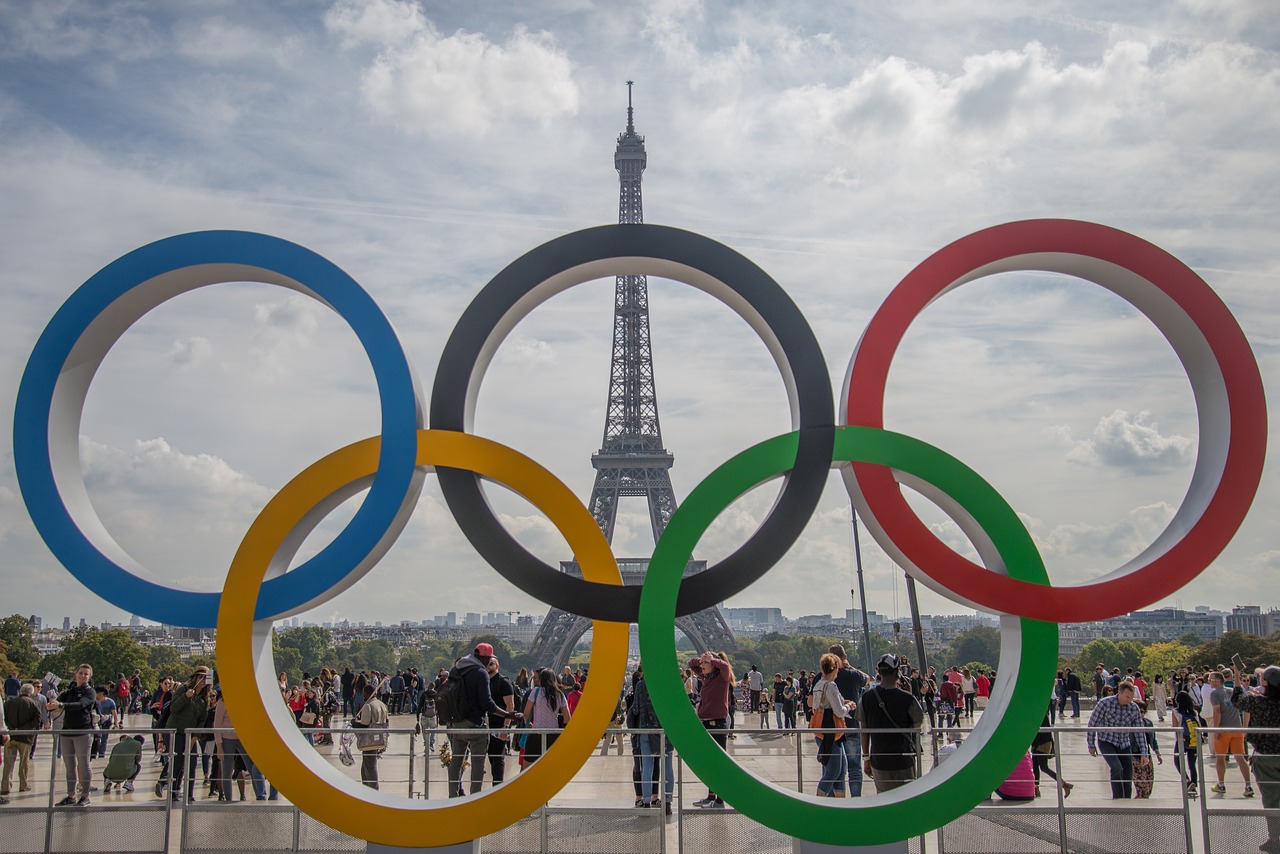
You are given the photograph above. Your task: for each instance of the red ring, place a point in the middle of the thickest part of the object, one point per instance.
(1072, 246)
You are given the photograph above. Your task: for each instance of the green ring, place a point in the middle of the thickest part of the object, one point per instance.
(983, 761)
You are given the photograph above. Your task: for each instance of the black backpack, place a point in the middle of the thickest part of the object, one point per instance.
(452, 703)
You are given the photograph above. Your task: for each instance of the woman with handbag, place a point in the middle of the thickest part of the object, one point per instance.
(1041, 753)
(545, 709)
(372, 716)
(829, 712)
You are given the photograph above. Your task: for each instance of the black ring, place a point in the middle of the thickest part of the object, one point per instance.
(494, 312)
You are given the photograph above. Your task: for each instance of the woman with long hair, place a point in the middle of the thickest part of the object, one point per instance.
(830, 705)
(1159, 696)
(544, 709)
(1263, 710)
(1184, 715)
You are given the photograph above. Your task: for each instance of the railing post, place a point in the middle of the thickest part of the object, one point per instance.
(53, 779)
(1180, 761)
(799, 763)
(412, 759)
(680, 807)
(1062, 804)
(1205, 789)
(297, 827)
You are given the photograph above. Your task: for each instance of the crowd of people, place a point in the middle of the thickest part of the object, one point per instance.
(864, 725)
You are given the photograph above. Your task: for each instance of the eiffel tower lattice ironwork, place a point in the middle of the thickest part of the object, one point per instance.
(632, 461)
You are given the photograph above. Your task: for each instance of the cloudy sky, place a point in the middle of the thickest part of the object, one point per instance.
(422, 147)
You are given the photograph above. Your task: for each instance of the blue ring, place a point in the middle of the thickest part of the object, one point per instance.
(394, 483)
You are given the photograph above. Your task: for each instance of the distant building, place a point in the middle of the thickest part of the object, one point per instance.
(1252, 620)
(741, 619)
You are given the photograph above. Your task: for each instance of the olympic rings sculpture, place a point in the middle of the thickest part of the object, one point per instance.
(1013, 582)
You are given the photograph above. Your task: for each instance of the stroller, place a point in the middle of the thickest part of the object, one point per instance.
(123, 764)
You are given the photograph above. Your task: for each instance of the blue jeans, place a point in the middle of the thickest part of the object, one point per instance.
(1075, 704)
(260, 783)
(833, 772)
(852, 747)
(648, 763)
(1120, 761)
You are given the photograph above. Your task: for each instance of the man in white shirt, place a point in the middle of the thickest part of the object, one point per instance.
(755, 684)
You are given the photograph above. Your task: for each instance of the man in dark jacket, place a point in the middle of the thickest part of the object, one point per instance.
(1074, 687)
(890, 719)
(472, 733)
(22, 716)
(347, 681)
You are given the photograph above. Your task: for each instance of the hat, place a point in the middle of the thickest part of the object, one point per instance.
(484, 649)
(1272, 676)
(889, 661)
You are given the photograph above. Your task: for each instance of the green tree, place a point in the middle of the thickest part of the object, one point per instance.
(314, 645)
(165, 660)
(1098, 651)
(287, 658)
(15, 634)
(1131, 653)
(1254, 650)
(109, 653)
(981, 644)
(1163, 657)
(6, 666)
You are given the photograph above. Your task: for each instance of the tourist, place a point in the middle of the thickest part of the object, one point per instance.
(1225, 714)
(504, 697)
(1042, 750)
(22, 718)
(373, 716)
(713, 707)
(124, 764)
(1262, 710)
(1073, 691)
(1118, 748)
(1159, 696)
(1188, 722)
(187, 710)
(471, 735)
(543, 710)
(969, 689)
(890, 719)
(77, 703)
(831, 708)
(647, 746)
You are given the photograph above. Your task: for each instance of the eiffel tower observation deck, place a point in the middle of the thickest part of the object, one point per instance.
(632, 461)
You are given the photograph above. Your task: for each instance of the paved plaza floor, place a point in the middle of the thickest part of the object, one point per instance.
(785, 758)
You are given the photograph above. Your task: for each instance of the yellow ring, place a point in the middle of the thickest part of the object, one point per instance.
(268, 730)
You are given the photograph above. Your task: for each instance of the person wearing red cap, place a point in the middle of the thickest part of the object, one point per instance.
(472, 732)
(713, 707)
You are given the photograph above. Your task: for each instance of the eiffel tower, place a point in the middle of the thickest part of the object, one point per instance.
(632, 460)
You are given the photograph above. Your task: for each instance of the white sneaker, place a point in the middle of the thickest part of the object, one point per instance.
(128, 785)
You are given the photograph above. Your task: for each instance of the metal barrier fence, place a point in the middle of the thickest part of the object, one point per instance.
(595, 812)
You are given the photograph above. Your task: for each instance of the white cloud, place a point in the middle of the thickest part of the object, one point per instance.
(187, 351)
(427, 83)
(180, 515)
(525, 351)
(836, 151)
(1130, 442)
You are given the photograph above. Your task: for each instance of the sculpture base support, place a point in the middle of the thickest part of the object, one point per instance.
(472, 847)
(801, 846)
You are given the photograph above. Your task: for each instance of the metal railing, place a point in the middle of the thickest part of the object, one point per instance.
(595, 812)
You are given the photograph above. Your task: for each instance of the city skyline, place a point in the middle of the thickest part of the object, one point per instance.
(422, 147)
